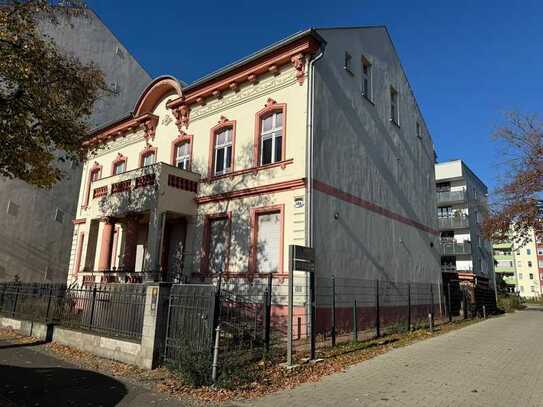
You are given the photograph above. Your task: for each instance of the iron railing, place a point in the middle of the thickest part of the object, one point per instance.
(452, 247)
(31, 301)
(450, 196)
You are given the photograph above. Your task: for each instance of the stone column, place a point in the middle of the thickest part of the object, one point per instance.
(154, 324)
(108, 227)
(130, 243)
(155, 234)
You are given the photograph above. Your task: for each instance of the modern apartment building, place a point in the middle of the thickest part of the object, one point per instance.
(316, 140)
(36, 224)
(520, 267)
(461, 204)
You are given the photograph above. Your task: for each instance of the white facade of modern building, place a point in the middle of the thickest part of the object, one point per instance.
(461, 206)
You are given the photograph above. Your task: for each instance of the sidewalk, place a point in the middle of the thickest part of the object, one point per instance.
(30, 377)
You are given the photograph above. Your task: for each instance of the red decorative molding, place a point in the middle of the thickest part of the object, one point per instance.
(149, 149)
(201, 101)
(79, 221)
(346, 197)
(270, 107)
(252, 78)
(119, 159)
(182, 183)
(204, 264)
(146, 121)
(156, 91)
(145, 181)
(182, 138)
(298, 61)
(251, 70)
(255, 213)
(182, 115)
(255, 170)
(234, 86)
(100, 191)
(260, 190)
(122, 186)
(95, 169)
(222, 124)
(217, 94)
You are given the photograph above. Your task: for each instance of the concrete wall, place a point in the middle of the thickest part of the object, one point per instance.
(382, 173)
(33, 245)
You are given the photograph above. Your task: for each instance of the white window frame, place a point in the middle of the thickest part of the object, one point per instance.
(274, 133)
(185, 158)
(118, 164)
(146, 157)
(225, 146)
(367, 77)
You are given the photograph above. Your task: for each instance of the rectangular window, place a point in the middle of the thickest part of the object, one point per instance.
(367, 89)
(531, 276)
(540, 252)
(443, 186)
(271, 136)
(445, 212)
(223, 152)
(533, 289)
(348, 62)
(419, 131)
(268, 242)
(59, 215)
(520, 276)
(119, 168)
(182, 155)
(529, 263)
(218, 244)
(394, 109)
(528, 252)
(148, 159)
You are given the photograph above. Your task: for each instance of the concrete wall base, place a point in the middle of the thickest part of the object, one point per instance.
(41, 330)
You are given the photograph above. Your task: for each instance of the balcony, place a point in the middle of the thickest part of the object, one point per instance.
(453, 222)
(160, 186)
(453, 248)
(450, 196)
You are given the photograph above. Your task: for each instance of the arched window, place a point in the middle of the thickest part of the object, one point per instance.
(148, 156)
(182, 155)
(182, 152)
(270, 134)
(222, 152)
(95, 174)
(271, 138)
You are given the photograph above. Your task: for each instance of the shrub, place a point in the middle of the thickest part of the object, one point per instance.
(509, 302)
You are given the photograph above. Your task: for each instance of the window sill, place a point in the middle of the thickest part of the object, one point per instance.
(253, 170)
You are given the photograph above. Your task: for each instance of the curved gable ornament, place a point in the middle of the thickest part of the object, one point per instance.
(155, 92)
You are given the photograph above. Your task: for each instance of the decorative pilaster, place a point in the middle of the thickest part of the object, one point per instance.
(298, 61)
(104, 261)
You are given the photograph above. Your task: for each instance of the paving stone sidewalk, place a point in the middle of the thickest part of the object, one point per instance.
(29, 377)
(498, 362)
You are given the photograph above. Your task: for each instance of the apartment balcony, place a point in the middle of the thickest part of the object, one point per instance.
(450, 268)
(453, 248)
(453, 222)
(444, 197)
(161, 186)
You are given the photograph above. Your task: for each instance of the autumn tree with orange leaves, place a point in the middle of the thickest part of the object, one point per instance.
(517, 207)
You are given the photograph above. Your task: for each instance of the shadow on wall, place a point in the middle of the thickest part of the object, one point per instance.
(56, 387)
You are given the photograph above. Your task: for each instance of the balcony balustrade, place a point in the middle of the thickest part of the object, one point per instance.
(450, 196)
(453, 248)
(453, 222)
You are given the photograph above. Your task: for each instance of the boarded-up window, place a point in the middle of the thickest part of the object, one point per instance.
(218, 245)
(268, 242)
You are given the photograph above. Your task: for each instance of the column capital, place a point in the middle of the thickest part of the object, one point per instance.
(108, 220)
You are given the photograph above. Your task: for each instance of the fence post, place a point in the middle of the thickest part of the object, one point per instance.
(355, 323)
(49, 304)
(408, 307)
(92, 306)
(267, 313)
(312, 309)
(377, 311)
(15, 302)
(432, 302)
(449, 307)
(290, 303)
(333, 310)
(215, 354)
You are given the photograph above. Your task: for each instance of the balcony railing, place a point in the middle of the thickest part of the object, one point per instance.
(452, 247)
(453, 222)
(451, 196)
(448, 268)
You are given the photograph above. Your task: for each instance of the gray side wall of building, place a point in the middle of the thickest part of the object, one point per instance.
(358, 151)
(33, 245)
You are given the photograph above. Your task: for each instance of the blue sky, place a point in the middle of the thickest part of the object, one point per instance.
(468, 61)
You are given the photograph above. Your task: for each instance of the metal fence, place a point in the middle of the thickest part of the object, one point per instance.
(113, 309)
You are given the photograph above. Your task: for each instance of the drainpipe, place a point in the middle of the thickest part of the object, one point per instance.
(309, 158)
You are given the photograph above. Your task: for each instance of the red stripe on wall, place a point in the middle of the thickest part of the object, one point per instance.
(344, 196)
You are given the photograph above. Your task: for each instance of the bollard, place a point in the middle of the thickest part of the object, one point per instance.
(431, 322)
(215, 354)
(484, 311)
(355, 323)
(449, 307)
(333, 311)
